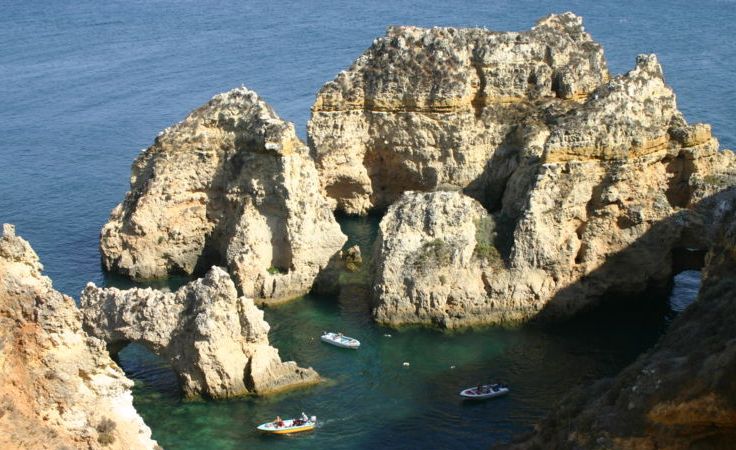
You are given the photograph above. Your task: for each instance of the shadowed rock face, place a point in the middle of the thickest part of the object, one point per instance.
(58, 388)
(427, 108)
(574, 167)
(679, 395)
(215, 341)
(231, 184)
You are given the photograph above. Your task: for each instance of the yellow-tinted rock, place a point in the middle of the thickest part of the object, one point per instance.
(231, 184)
(58, 386)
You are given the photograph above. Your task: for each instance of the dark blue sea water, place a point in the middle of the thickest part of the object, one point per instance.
(85, 85)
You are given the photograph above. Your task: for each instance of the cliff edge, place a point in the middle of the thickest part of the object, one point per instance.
(59, 387)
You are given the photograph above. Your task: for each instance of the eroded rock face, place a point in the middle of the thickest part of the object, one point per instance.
(59, 388)
(679, 395)
(429, 108)
(595, 197)
(231, 184)
(214, 340)
(426, 259)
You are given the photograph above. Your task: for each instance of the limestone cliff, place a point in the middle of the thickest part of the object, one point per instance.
(428, 108)
(591, 181)
(679, 395)
(214, 340)
(231, 184)
(58, 386)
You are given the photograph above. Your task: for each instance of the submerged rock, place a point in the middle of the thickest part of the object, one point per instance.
(591, 181)
(428, 108)
(679, 395)
(231, 184)
(353, 259)
(59, 388)
(215, 341)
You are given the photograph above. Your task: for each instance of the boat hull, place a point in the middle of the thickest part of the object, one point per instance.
(291, 430)
(287, 428)
(485, 393)
(340, 341)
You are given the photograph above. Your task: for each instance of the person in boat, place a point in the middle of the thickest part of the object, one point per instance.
(279, 423)
(479, 389)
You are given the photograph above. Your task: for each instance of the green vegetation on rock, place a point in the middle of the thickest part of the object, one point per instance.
(485, 248)
(435, 253)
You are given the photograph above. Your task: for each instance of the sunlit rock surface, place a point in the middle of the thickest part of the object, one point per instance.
(58, 386)
(216, 341)
(591, 181)
(427, 108)
(232, 185)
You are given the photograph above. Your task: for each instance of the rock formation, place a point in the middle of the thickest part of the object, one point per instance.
(679, 395)
(58, 386)
(214, 340)
(353, 259)
(427, 264)
(231, 184)
(429, 108)
(579, 170)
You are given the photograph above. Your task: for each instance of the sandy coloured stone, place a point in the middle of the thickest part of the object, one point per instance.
(231, 185)
(59, 388)
(215, 340)
(588, 195)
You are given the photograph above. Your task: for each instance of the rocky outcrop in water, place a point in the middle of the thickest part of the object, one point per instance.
(58, 388)
(679, 395)
(215, 341)
(429, 260)
(578, 170)
(231, 184)
(428, 108)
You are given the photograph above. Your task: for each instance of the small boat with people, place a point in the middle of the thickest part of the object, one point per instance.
(340, 340)
(485, 391)
(289, 426)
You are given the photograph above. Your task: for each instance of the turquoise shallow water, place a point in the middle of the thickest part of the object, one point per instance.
(85, 85)
(371, 400)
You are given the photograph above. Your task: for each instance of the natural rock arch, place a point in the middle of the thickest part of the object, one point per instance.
(216, 341)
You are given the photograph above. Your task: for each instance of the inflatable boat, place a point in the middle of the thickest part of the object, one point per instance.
(339, 340)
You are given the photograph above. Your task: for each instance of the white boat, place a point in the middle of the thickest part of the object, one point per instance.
(339, 340)
(289, 426)
(485, 391)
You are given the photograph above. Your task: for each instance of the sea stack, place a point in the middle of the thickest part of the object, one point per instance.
(590, 181)
(215, 340)
(429, 108)
(230, 185)
(59, 387)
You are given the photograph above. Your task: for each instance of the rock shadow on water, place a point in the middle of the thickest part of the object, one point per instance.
(693, 230)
